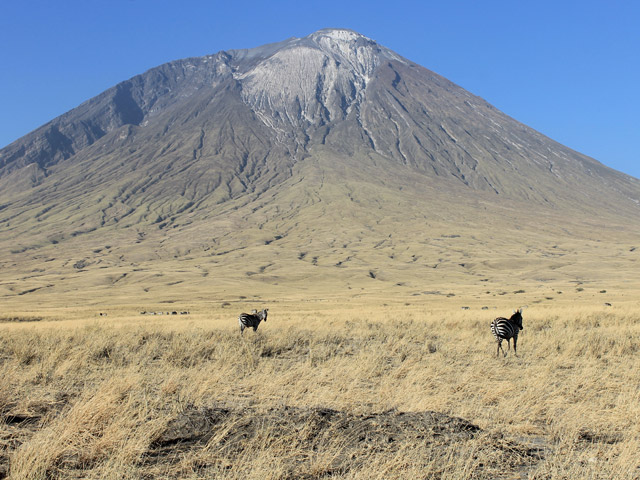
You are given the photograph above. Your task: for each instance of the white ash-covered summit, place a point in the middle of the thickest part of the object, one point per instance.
(314, 80)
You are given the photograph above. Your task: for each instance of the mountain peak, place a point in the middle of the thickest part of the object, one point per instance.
(327, 157)
(315, 79)
(338, 36)
(345, 43)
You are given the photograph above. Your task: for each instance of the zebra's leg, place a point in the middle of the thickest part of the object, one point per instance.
(241, 329)
(515, 342)
(255, 328)
(504, 353)
(508, 345)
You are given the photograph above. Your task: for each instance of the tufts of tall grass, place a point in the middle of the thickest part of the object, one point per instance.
(98, 395)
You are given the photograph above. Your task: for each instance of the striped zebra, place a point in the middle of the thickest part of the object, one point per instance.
(252, 320)
(506, 329)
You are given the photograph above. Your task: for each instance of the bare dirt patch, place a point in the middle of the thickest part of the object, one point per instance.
(350, 441)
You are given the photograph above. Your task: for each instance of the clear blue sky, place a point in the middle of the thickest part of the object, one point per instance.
(569, 69)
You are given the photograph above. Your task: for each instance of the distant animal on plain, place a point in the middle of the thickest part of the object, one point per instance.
(506, 329)
(252, 320)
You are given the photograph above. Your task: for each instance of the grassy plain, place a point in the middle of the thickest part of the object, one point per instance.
(324, 389)
(376, 361)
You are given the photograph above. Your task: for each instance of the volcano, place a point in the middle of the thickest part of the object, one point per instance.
(323, 166)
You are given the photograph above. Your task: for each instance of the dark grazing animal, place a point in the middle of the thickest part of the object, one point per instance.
(506, 329)
(252, 320)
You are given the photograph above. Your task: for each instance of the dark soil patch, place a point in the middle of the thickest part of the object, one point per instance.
(231, 432)
(380, 429)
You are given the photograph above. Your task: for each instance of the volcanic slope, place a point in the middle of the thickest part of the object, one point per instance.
(315, 167)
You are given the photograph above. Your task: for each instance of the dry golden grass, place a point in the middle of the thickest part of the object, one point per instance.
(84, 396)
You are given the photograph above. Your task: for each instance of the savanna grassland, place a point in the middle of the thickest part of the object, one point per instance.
(322, 390)
(376, 360)
(384, 224)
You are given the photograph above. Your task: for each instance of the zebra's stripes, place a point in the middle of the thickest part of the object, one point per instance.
(506, 329)
(252, 320)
